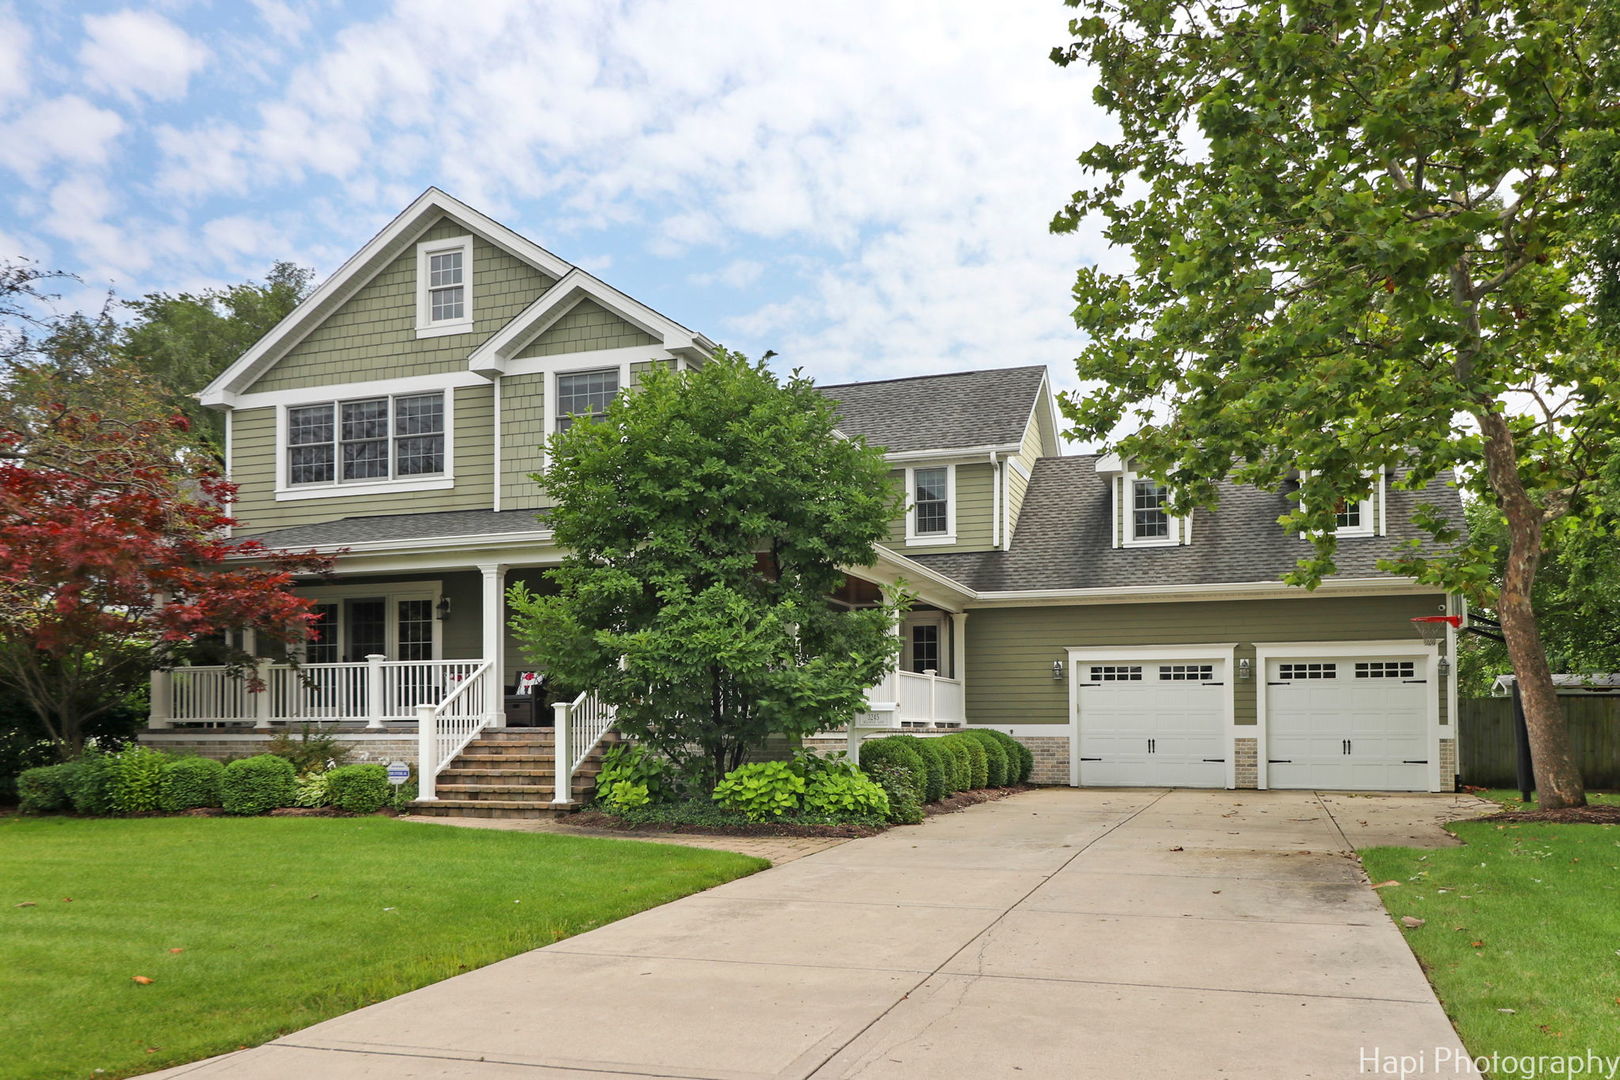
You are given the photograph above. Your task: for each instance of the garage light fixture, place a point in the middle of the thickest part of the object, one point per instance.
(1243, 668)
(1057, 671)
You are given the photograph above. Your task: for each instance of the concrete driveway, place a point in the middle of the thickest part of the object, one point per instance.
(1058, 933)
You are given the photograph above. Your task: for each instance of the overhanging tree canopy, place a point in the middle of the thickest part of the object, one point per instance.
(1357, 242)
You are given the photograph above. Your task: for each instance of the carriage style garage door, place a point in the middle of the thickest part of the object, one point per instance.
(1152, 723)
(1348, 723)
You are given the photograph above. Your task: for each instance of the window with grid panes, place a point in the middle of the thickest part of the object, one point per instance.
(370, 439)
(930, 498)
(585, 395)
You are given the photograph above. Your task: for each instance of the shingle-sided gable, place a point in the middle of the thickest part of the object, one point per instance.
(372, 335)
(961, 409)
(587, 326)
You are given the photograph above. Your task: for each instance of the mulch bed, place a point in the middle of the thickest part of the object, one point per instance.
(1607, 814)
(952, 804)
(592, 819)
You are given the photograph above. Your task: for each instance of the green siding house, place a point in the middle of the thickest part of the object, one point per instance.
(396, 418)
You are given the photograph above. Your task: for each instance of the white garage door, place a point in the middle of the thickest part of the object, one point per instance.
(1348, 723)
(1152, 723)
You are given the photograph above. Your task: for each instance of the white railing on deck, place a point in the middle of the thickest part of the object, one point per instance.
(207, 693)
(374, 691)
(409, 683)
(579, 725)
(922, 698)
(445, 729)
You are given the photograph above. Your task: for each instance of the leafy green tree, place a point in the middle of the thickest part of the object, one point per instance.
(186, 339)
(1356, 242)
(707, 518)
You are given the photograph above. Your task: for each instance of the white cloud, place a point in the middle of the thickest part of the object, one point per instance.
(63, 129)
(131, 53)
(15, 44)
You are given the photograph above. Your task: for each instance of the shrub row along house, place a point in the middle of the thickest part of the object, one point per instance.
(396, 417)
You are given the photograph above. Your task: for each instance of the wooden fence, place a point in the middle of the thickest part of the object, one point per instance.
(1486, 736)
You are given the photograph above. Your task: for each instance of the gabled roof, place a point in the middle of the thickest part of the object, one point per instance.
(382, 249)
(936, 412)
(490, 358)
(1062, 540)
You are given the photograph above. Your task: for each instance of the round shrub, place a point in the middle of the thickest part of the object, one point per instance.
(978, 765)
(137, 780)
(1020, 762)
(359, 789)
(937, 764)
(258, 785)
(896, 750)
(995, 758)
(959, 767)
(189, 783)
(900, 786)
(761, 790)
(845, 796)
(91, 788)
(47, 789)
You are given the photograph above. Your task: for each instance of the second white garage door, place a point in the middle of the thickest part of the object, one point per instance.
(1348, 723)
(1152, 723)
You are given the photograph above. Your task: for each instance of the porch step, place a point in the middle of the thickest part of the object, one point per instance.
(491, 809)
(510, 773)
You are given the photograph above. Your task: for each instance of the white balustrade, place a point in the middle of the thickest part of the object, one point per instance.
(444, 729)
(372, 692)
(579, 725)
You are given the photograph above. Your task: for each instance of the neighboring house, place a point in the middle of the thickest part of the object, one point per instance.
(398, 413)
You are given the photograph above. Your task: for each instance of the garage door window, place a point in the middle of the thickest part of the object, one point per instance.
(1186, 672)
(1387, 669)
(1309, 671)
(1116, 673)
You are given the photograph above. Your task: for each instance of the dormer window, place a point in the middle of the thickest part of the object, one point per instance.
(1150, 515)
(444, 300)
(931, 505)
(1141, 508)
(1360, 517)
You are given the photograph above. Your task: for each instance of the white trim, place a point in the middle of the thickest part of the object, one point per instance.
(426, 325)
(1224, 653)
(549, 396)
(417, 543)
(359, 269)
(936, 619)
(1019, 467)
(586, 361)
(997, 508)
(1177, 526)
(495, 458)
(286, 491)
(1340, 650)
(915, 539)
(391, 593)
(496, 354)
(1384, 586)
(960, 455)
(314, 395)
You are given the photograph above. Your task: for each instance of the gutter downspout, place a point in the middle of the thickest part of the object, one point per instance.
(995, 500)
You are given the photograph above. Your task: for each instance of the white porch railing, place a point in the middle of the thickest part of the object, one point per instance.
(579, 725)
(443, 730)
(917, 699)
(374, 692)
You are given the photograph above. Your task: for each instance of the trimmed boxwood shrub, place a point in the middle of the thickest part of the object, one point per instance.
(1020, 761)
(190, 783)
(995, 757)
(47, 789)
(257, 785)
(359, 789)
(137, 780)
(934, 766)
(91, 788)
(896, 750)
(959, 773)
(978, 763)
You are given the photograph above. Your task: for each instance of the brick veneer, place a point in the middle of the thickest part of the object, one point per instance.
(1246, 762)
(1448, 764)
(381, 746)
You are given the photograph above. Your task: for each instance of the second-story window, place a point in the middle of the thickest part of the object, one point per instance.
(447, 297)
(444, 287)
(930, 497)
(585, 395)
(1348, 515)
(370, 439)
(1150, 514)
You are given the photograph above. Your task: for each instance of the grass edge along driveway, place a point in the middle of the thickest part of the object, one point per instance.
(251, 928)
(1521, 933)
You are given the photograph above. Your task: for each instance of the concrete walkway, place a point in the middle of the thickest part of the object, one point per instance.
(1059, 933)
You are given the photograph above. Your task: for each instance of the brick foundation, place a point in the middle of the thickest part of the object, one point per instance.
(376, 746)
(1448, 764)
(1246, 760)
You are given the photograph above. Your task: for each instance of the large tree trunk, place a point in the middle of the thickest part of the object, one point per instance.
(1558, 779)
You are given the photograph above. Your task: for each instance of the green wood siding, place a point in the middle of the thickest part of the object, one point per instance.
(523, 424)
(1010, 650)
(588, 326)
(974, 513)
(253, 469)
(641, 367)
(373, 334)
(1028, 453)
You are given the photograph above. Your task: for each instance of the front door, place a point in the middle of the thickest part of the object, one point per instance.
(366, 632)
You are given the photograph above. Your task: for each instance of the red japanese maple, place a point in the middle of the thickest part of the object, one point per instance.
(116, 559)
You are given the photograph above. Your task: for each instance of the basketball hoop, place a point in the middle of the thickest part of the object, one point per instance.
(1432, 628)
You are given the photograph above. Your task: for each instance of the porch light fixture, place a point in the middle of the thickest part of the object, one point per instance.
(1057, 670)
(444, 608)
(1243, 668)
(1444, 666)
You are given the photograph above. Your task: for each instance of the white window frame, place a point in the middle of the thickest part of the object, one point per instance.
(286, 491)
(1180, 531)
(913, 537)
(554, 391)
(392, 594)
(1372, 511)
(426, 326)
(913, 619)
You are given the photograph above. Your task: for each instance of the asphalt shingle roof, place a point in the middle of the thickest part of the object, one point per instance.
(442, 525)
(1062, 538)
(936, 412)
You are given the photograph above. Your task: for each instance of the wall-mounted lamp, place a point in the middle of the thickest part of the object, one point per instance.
(1243, 668)
(1057, 670)
(1444, 666)
(444, 608)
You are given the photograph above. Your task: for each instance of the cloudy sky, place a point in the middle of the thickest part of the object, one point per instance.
(863, 187)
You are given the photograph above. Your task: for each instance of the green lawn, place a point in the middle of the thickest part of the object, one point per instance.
(255, 927)
(1508, 799)
(1522, 939)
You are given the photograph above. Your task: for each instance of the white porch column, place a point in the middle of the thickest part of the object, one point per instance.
(493, 609)
(933, 695)
(958, 645)
(427, 753)
(562, 776)
(376, 707)
(261, 700)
